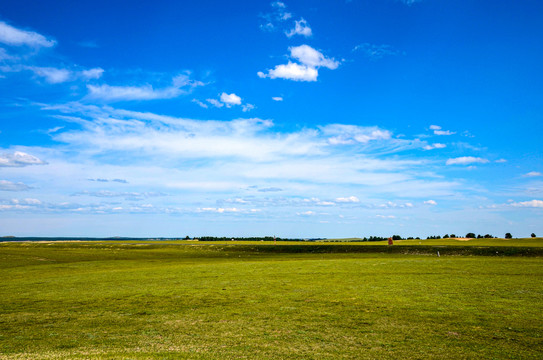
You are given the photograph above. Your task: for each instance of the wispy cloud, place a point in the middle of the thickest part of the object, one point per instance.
(376, 52)
(11, 186)
(277, 98)
(438, 130)
(434, 146)
(16, 37)
(278, 15)
(533, 174)
(122, 181)
(181, 84)
(430, 202)
(113, 194)
(306, 69)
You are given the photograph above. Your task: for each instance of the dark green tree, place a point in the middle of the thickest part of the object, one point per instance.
(470, 235)
(533, 235)
(508, 236)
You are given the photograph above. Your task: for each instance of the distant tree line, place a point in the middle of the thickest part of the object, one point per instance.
(254, 238)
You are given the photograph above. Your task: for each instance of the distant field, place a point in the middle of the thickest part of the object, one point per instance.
(524, 242)
(123, 300)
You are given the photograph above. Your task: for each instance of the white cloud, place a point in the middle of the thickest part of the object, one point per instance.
(350, 134)
(95, 73)
(230, 99)
(385, 216)
(127, 93)
(466, 160)
(306, 55)
(430, 202)
(52, 75)
(181, 84)
(247, 107)
(196, 101)
(12, 36)
(300, 28)
(350, 199)
(291, 71)
(215, 103)
(278, 16)
(227, 100)
(219, 210)
(533, 174)
(501, 161)
(60, 75)
(306, 70)
(19, 159)
(27, 201)
(11, 186)
(531, 203)
(442, 132)
(434, 146)
(277, 98)
(306, 213)
(438, 130)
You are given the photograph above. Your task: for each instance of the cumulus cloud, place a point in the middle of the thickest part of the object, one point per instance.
(230, 99)
(19, 159)
(306, 69)
(300, 28)
(11, 186)
(16, 37)
(291, 71)
(466, 160)
(181, 84)
(306, 55)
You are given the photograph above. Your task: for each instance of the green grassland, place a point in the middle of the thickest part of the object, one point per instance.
(172, 300)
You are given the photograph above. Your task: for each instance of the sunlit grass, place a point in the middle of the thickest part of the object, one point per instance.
(111, 300)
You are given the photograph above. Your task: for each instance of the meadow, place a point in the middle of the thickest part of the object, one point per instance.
(172, 300)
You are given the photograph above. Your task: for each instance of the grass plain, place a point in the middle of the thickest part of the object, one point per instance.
(140, 300)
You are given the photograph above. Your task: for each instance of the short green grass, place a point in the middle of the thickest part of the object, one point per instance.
(114, 300)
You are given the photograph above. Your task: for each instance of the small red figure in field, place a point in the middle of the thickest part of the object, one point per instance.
(390, 241)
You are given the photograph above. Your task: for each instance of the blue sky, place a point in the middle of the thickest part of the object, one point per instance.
(298, 119)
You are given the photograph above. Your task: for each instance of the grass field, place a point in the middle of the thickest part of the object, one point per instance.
(115, 300)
